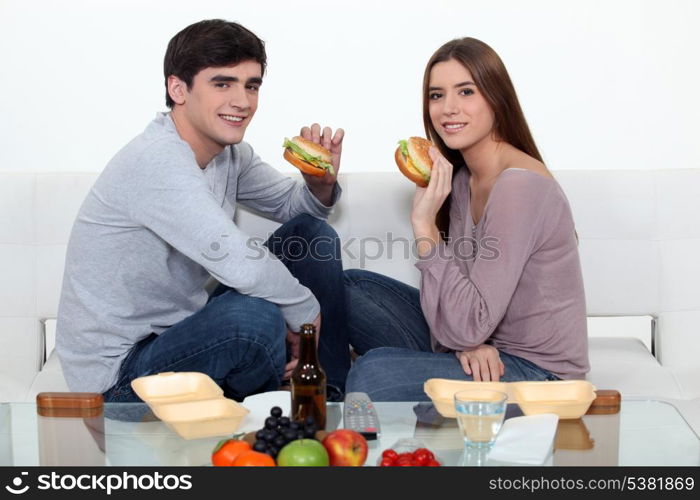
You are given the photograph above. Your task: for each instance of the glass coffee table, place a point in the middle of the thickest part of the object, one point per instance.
(644, 432)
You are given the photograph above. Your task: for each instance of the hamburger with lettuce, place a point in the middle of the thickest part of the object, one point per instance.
(413, 159)
(307, 156)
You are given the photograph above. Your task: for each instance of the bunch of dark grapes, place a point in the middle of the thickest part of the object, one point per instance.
(279, 431)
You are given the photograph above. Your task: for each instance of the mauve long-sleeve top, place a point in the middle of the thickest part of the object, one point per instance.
(512, 281)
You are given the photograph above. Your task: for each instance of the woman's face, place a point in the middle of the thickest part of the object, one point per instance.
(460, 114)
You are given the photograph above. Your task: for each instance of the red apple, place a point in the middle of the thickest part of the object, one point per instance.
(346, 448)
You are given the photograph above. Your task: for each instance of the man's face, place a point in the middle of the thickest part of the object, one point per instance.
(221, 102)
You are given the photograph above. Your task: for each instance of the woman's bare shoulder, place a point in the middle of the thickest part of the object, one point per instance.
(522, 161)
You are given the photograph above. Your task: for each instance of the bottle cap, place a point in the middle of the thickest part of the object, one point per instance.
(308, 328)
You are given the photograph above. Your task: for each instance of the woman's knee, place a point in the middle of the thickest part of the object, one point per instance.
(387, 374)
(368, 369)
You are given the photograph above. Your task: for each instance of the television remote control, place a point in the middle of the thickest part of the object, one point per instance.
(360, 415)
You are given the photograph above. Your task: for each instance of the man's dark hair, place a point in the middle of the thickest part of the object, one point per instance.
(210, 43)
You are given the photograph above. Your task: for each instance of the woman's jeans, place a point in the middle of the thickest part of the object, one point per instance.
(386, 325)
(239, 340)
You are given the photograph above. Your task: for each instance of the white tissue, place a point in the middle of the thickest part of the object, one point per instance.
(260, 405)
(525, 440)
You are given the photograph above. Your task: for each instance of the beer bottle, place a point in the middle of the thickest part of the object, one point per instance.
(309, 381)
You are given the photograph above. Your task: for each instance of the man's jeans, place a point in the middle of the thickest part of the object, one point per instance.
(386, 325)
(239, 340)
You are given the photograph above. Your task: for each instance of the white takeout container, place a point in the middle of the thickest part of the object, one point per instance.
(190, 403)
(565, 398)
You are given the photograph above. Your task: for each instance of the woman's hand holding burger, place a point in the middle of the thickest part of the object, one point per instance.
(427, 202)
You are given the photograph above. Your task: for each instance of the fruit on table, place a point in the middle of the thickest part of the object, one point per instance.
(303, 452)
(227, 450)
(421, 457)
(278, 431)
(346, 448)
(251, 439)
(253, 458)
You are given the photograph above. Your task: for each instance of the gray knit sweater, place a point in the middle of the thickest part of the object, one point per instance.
(152, 231)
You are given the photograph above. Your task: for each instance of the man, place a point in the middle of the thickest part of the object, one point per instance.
(158, 223)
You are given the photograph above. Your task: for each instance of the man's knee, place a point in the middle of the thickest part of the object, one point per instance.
(306, 237)
(267, 321)
(243, 315)
(308, 226)
(263, 326)
(353, 276)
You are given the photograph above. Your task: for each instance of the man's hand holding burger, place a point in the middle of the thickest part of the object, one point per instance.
(319, 165)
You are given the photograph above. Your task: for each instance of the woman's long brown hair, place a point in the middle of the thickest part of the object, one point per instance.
(492, 80)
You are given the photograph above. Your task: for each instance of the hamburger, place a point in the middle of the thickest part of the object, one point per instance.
(413, 159)
(307, 156)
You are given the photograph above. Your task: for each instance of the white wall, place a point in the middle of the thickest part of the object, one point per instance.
(604, 84)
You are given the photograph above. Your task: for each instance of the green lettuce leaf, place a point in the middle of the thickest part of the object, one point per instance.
(314, 160)
(403, 144)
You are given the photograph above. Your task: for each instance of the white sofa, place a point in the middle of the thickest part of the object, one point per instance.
(639, 236)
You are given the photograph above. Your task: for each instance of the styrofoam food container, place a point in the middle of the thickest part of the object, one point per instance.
(442, 392)
(203, 418)
(565, 398)
(190, 403)
(174, 387)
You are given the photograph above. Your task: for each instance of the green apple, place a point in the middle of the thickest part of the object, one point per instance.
(303, 452)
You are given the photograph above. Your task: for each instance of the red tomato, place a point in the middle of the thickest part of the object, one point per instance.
(390, 454)
(387, 462)
(404, 461)
(433, 463)
(421, 456)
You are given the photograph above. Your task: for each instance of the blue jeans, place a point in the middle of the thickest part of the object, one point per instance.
(386, 325)
(239, 340)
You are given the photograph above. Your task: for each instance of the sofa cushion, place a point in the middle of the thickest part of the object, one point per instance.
(678, 347)
(19, 356)
(49, 379)
(13, 389)
(638, 230)
(625, 364)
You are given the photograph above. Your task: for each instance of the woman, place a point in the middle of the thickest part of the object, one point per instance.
(501, 294)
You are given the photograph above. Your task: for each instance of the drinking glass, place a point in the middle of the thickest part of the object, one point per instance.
(480, 415)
